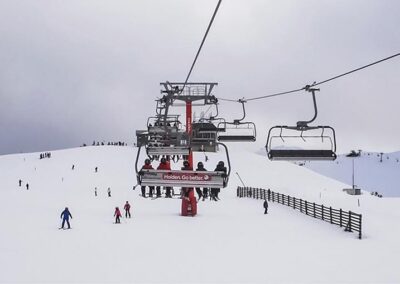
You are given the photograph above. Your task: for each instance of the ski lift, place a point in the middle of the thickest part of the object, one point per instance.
(182, 178)
(238, 130)
(313, 143)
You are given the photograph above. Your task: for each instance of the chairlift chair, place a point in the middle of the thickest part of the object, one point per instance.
(180, 178)
(204, 137)
(324, 136)
(238, 130)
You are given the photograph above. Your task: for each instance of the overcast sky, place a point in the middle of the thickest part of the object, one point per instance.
(76, 71)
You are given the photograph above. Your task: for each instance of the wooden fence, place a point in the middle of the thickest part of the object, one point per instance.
(349, 220)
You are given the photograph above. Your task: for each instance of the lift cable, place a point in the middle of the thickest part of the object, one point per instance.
(201, 45)
(307, 87)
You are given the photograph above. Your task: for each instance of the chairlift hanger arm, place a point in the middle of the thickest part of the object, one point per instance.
(237, 121)
(304, 124)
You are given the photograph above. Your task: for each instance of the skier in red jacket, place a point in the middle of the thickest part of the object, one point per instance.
(147, 166)
(127, 207)
(164, 165)
(117, 215)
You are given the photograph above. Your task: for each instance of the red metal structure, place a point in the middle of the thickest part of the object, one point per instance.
(189, 204)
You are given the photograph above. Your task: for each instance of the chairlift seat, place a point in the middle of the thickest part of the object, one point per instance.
(236, 138)
(176, 150)
(175, 178)
(294, 155)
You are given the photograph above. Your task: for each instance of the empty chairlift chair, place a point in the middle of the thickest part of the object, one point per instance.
(238, 130)
(302, 142)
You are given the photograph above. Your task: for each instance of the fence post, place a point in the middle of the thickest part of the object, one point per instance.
(258, 191)
(348, 226)
(306, 208)
(322, 212)
(314, 208)
(301, 205)
(341, 224)
(330, 213)
(359, 227)
(273, 196)
(269, 194)
(294, 203)
(288, 200)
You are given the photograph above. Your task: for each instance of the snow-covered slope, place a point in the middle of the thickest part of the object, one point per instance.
(371, 173)
(229, 241)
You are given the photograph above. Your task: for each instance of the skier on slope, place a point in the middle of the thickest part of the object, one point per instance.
(266, 206)
(117, 215)
(127, 208)
(164, 165)
(147, 166)
(200, 168)
(65, 215)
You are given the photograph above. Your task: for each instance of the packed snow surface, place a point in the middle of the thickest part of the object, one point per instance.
(228, 241)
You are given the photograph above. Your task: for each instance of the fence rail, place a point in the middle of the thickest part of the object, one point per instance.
(349, 220)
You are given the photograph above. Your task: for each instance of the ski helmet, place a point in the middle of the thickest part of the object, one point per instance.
(221, 163)
(200, 165)
(163, 160)
(147, 161)
(186, 163)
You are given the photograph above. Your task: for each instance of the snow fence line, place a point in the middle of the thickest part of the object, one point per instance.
(348, 219)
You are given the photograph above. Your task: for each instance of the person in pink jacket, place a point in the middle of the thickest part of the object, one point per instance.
(117, 215)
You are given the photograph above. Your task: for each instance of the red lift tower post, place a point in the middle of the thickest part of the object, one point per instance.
(189, 203)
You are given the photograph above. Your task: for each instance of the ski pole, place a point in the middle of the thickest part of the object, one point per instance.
(240, 179)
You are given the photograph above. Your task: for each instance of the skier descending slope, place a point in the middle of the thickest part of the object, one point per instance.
(266, 206)
(65, 217)
(127, 208)
(117, 215)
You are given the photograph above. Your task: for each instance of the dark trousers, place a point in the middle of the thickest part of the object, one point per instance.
(158, 189)
(266, 211)
(127, 214)
(199, 192)
(168, 192)
(151, 189)
(143, 191)
(213, 194)
(117, 221)
(63, 222)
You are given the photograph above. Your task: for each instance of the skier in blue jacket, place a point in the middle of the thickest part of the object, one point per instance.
(65, 216)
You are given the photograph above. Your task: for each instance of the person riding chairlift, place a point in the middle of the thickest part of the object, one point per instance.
(147, 166)
(186, 167)
(164, 165)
